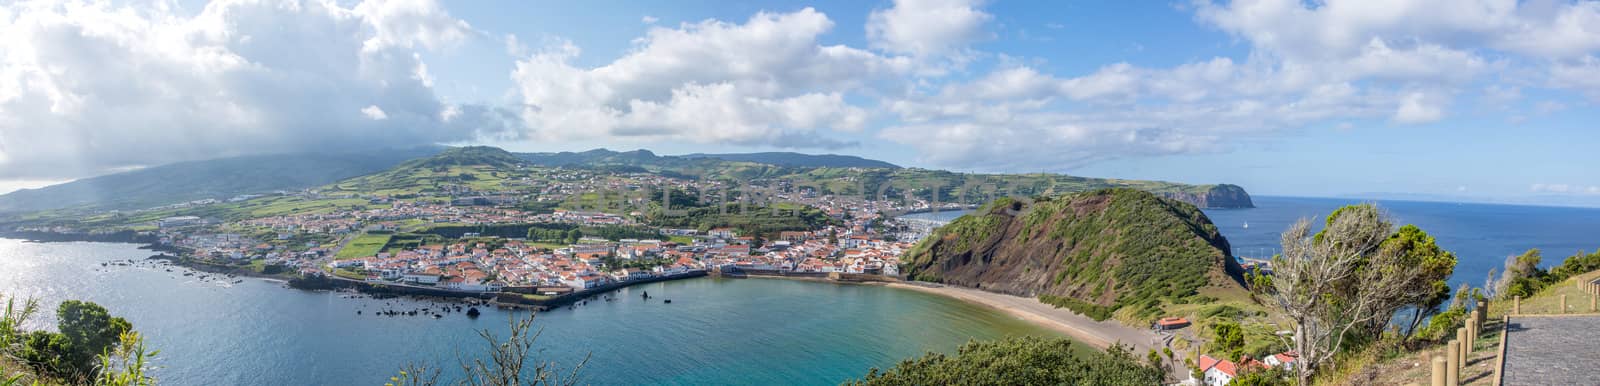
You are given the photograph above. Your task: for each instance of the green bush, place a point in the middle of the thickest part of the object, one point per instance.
(1018, 361)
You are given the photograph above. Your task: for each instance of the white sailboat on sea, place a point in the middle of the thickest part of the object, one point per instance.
(1246, 225)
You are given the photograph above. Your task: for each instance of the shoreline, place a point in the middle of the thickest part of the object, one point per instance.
(1100, 334)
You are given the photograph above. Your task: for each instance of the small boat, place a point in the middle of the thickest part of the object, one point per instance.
(668, 301)
(1246, 225)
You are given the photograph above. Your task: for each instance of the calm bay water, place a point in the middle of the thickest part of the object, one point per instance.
(716, 331)
(1481, 235)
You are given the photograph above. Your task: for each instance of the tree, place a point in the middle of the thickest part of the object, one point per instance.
(1333, 285)
(1228, 338)
(1018, 361)
(88, 331)
(1432, 288)
(1520, 275)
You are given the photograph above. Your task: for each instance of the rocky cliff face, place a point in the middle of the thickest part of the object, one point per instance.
(1109, 251)
(1217, 196)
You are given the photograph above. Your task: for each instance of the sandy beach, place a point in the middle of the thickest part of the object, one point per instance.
(1100, 334)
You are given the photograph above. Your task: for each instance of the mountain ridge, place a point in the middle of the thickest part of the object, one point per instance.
(220, 178)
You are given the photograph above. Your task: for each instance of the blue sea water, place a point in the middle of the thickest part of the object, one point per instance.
(1481, 235)
(715, 331)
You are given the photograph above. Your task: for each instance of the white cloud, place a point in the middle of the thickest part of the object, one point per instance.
(647, 19)
(238, 77)
(1309, 63)
(410, 23)
(767, 81)
(927, 27)
(1415, 108)
(374, 113)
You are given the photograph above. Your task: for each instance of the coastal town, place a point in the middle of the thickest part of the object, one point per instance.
(373, 240)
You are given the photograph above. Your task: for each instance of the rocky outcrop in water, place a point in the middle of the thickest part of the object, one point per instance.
(1218, 196)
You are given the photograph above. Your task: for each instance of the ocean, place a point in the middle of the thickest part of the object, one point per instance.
(715, 331)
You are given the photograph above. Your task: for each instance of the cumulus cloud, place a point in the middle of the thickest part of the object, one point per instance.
(1415, 108)
(767, 81)
(251, 76)
(374, 113)
(1309, 63)
(87, 88)
(927, 27)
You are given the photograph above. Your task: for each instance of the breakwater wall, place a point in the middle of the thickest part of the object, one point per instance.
(331, 283)
(561, 300)
(824, 276)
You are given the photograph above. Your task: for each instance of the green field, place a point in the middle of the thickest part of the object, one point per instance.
(365, 245)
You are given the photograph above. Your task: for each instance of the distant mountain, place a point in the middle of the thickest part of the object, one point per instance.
(218, 178)
(459, 165)
(1121, 252)
(888, 181)
(798, 159)
(467, 156)
(592, 157)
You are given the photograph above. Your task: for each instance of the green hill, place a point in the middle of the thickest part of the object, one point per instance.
(217, 179)
(879, 181)
(1111, 252)
(479, 167)
(799, 160)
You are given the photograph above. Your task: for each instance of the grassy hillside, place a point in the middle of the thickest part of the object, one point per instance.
(480, 168)
(1110, 252)
(218, 179)
(880, 181)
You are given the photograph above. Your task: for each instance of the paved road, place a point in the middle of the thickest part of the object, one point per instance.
(1553, 350)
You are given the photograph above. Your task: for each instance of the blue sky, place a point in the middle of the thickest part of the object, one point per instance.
(1476, 99)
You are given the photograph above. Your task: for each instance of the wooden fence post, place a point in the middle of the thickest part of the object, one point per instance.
(1452, 371)
(1438, 371)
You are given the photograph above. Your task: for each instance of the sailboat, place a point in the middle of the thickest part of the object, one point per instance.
(1246, 225)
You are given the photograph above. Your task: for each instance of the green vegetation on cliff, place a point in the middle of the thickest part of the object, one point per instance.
(1018, 361)
(1111, 252)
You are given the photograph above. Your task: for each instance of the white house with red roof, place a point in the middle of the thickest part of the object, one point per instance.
(1218, 372)
(1285, 359)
